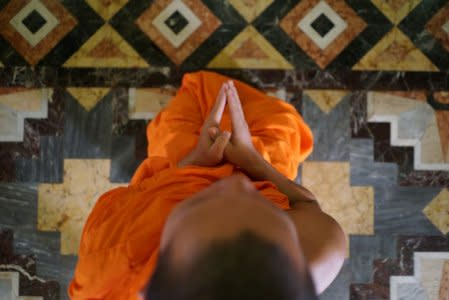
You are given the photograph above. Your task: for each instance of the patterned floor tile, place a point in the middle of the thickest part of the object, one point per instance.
(326, 99)
(305, 25)
(351, 206)
(65, 207)
(16, 105)
(438, 26)
(395, 52)
(34, 27)
(396, 10)
(106, 48)
(87, 134)
(417, 273)
(178, 27)
(249, 50)
(250, 9)
(18, 278)
(107, 9)
(438, 211)
(88, 97)
(145, 103)
(331, 130)
(423, 133)
(33, 129)
(424, 26)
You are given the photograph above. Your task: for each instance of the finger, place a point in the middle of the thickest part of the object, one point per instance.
(213, 132)
(218, 147)
(217, 111)
(235, 109)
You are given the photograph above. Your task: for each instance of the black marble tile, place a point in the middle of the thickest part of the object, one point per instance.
(87, 134)
(331, 131)
(123, 158)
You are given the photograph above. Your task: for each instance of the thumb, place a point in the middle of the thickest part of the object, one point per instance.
(220, 144)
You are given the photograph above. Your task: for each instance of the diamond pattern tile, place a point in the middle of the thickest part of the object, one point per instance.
(34, 46)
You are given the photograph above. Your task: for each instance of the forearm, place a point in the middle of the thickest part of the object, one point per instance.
(259, 169)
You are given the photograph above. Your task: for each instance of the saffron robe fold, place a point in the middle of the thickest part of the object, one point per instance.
(120, 240)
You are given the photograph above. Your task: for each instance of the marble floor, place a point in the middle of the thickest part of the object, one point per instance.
(79, 81)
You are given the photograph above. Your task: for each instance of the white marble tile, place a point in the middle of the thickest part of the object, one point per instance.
(322, 41)
(193, 23)
(50, 22)
(406, 288)
(9, 287)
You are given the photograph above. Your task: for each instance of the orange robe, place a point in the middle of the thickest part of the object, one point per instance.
(120, 241)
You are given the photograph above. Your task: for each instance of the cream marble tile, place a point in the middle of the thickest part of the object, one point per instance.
(106, 48)
(437, 211)
(146, 103)
(232, 58)
(88, 97)
(65, 207)
(396, 10)
(352, 207)
(326, 99)
(395, 52)
(250, 9)
(428, 267)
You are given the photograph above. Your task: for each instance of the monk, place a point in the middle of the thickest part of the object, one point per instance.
(213, 212)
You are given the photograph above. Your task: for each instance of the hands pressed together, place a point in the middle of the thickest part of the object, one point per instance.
(215, 145)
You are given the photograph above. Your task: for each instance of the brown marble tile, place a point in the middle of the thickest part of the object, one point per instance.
(443, 128)
(33, 54)
(209, 23)
(442, 97)
(435, 25)
(444, 283)
(322, 57)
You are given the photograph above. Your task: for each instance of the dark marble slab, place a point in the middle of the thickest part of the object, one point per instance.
(402, 265)
(157, 76)
(331, 131)
(18, 211)
(123, 159)
(48, 167)
(25, 265)
(87, 134)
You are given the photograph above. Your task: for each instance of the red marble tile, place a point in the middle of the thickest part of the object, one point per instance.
(435, 24)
